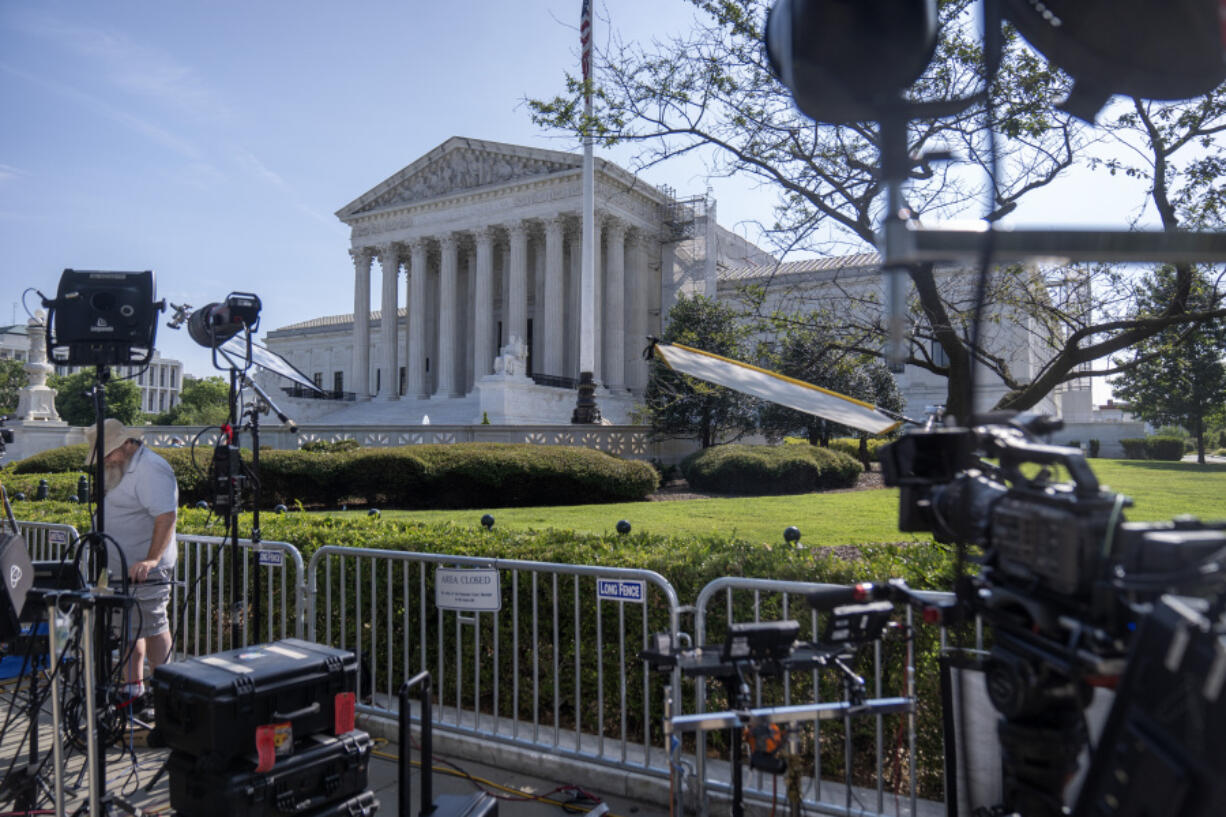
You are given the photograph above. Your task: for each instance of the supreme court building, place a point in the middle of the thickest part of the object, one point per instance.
(474, 253)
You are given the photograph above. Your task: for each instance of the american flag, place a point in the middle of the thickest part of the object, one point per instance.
(585, 44)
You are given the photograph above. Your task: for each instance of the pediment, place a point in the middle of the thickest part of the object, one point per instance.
(457, 166)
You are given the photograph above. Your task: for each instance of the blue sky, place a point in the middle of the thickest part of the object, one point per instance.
(212, 142)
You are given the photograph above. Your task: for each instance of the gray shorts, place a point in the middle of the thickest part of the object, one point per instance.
(148, 616)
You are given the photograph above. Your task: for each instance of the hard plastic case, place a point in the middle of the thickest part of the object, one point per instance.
(210, 707)
(321, 771)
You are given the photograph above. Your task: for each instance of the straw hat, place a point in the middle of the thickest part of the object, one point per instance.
(114, 434)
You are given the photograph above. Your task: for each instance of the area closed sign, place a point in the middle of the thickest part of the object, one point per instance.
(473, 590)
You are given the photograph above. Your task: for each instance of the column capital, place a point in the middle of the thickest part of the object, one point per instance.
(388, 252)
(448, 241)
(617, 227)
(486, 233)
(417, 243)
(520, 227)
(361, 254)
(638, 236)
(555, 225)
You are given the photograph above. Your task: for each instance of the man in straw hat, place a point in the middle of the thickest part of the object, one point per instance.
(141, 506)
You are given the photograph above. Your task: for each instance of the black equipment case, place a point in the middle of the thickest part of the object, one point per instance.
(210, 707)
(364, 805)
(322, 770)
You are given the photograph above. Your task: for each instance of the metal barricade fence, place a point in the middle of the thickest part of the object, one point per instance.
(536, 654)
(201, 599)
(756, 600)
(47, 541)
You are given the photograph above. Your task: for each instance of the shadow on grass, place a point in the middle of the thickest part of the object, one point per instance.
(1184, 467)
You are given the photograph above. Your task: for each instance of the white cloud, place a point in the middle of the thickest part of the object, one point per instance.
(8, 172)
(131, 66)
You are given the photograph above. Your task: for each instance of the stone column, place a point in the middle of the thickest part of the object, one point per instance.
(516, 322)
(417, 319)
(636, 311)
(362, 256)
(553, 314)
(574, 281)
(615, 306)
(598, 298)
(447, 316)
(483, 300)
(389, 257)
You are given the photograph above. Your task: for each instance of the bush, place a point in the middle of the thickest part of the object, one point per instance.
(1164, 448)
(59, 486)
(331, 447)
(499, 474)
(1134, 448)
(761, 469)
(53, 461)
(424, 476)
(1094, 447)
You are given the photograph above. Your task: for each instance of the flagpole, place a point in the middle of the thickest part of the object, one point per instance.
(586, 410)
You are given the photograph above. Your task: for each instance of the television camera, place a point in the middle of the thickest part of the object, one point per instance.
(1076, 598)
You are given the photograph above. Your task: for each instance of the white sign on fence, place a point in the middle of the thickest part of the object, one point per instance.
(471, 590)
(621, 590)
(272, 558)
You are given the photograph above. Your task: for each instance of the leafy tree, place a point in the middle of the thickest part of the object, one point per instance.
(12, 380)
(1179, 375)
(202, 402)
(711, 90)
(76, 407)
(684, 407)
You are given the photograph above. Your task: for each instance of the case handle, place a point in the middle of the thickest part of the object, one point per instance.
(310, 709)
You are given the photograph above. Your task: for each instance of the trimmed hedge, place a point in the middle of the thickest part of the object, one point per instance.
(53, 461)
(763, 469)
(503, 474)
(1164, 448)
(1153, 448)
(423, 476)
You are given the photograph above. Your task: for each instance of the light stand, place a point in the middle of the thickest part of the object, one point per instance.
(263, 404)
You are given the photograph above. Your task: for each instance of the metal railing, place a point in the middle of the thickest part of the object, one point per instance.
(47, 541)
(543, 656)
(756, 600)
(201, 600)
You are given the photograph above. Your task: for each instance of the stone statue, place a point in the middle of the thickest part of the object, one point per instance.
(36, 402)
(513, 360)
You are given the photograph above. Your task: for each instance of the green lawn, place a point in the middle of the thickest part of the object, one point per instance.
(1160, 489)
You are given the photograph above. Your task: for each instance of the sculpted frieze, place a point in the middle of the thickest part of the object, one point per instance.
(462, 170)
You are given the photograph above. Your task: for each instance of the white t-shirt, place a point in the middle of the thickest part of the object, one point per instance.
(148, 490)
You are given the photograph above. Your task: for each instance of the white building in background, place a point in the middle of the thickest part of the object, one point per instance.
(14, 342)
(160, 382)
(477, 243)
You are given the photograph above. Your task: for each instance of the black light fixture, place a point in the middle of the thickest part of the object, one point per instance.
(623, 527)
(844, 60)
(102, 318)
(487, 521)
(1166, 51)
(215, 323)
(852, 60)
(791, 534)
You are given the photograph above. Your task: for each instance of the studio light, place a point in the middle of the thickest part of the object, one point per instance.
(102, 318)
